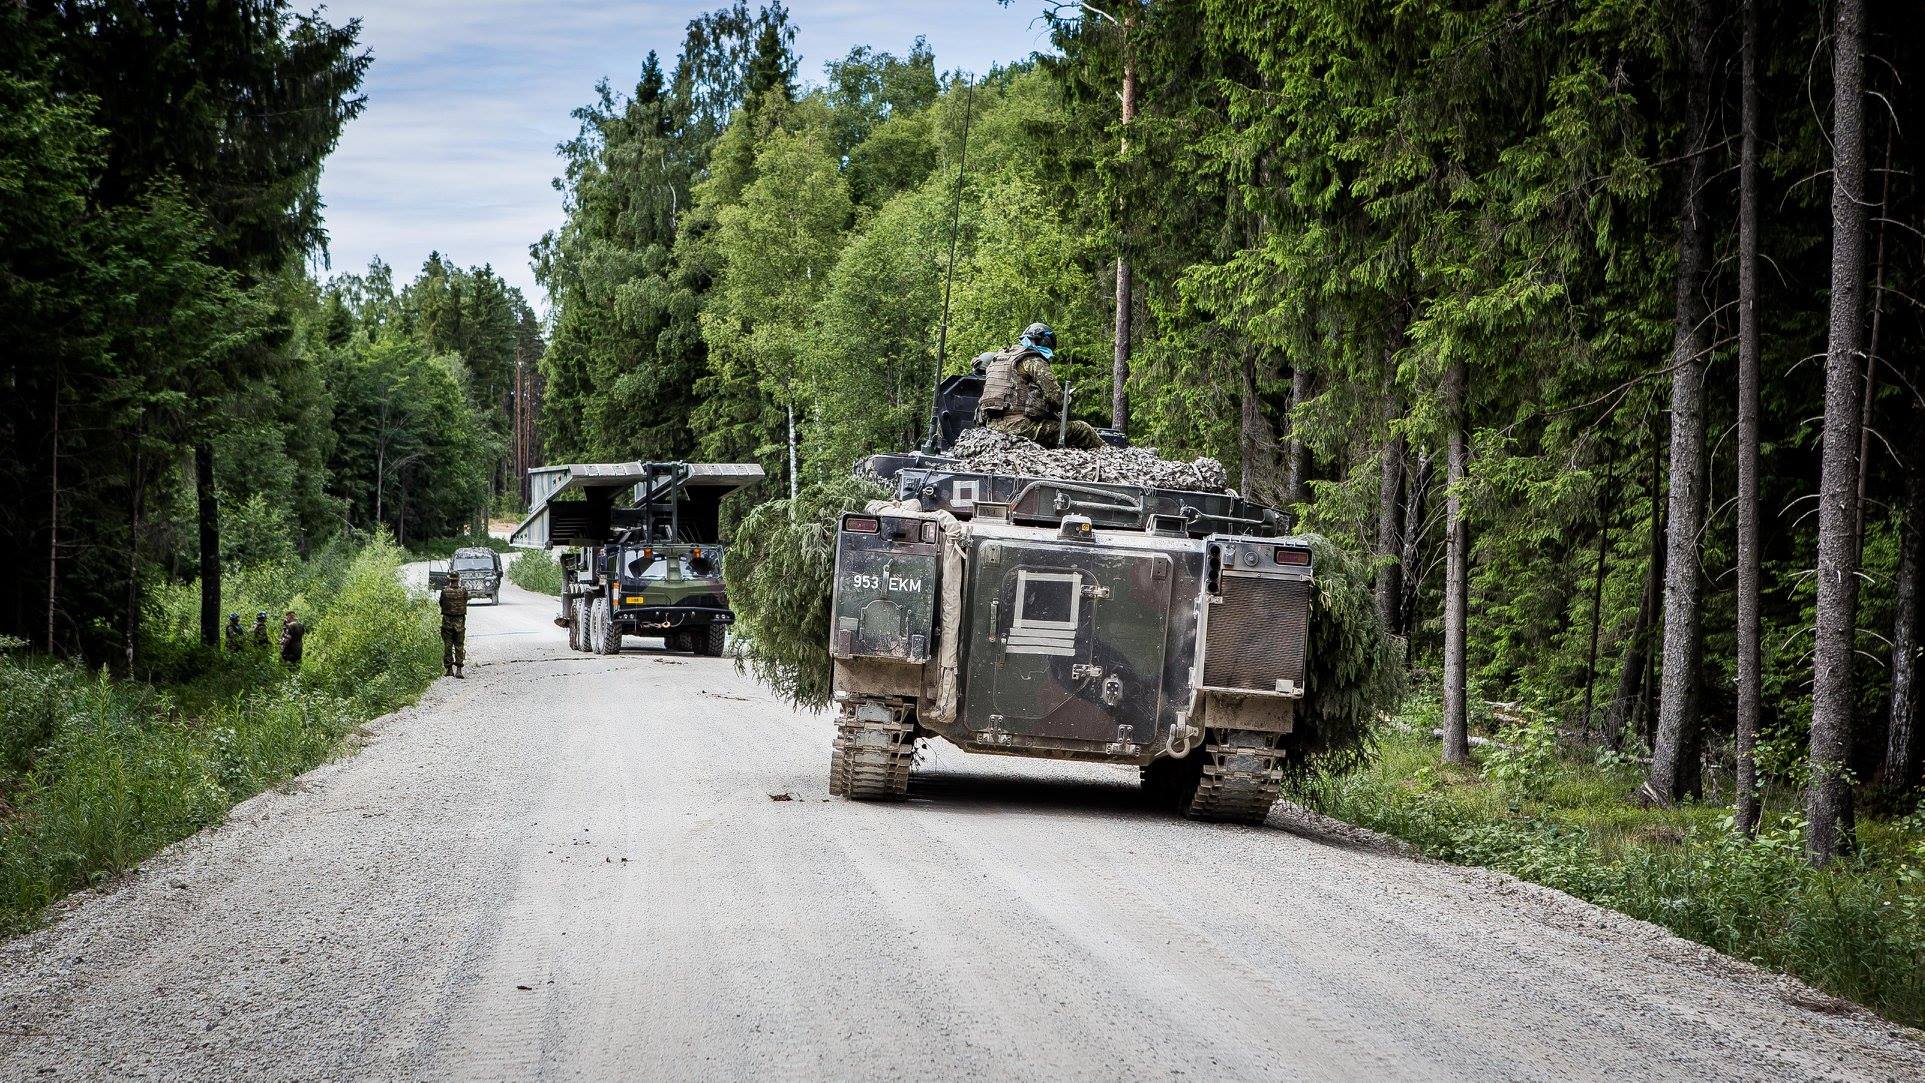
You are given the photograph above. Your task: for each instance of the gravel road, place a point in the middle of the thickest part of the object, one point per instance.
(571, 866)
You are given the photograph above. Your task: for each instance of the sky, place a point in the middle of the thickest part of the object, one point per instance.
(468, 98)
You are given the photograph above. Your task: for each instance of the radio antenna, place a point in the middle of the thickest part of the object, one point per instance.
(955, 230)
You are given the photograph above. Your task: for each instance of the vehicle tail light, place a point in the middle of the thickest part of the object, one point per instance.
(1286, 555)
(862, 524)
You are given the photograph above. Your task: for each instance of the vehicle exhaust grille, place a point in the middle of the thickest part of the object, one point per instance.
(1257, 634)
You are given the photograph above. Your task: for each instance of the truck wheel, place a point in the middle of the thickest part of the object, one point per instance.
(573, 609)
(597, 625)
(611, 632)
(714, 639)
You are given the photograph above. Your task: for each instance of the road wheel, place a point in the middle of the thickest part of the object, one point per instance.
(1170, 783)
(1239, 777)
(573, 608)
(714, 639)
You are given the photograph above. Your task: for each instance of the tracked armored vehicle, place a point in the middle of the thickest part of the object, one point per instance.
(1030, 616)
(647, 552)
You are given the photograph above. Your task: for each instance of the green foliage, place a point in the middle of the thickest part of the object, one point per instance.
(1352, 670)
(1855, 929)
(97, 773)
(536, 570)
(780, 575)
(374, 644)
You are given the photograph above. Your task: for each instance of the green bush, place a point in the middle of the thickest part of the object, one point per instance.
(1855, 929)
(780, 573)
(97, 773)
(374, 642)
(1353, 670)
(536, 570)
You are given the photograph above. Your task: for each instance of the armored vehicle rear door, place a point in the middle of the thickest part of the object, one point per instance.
(1067, 641)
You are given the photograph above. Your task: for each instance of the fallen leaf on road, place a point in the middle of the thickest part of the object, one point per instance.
(781, 797)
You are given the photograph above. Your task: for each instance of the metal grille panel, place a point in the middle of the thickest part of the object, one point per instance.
(1257, 633)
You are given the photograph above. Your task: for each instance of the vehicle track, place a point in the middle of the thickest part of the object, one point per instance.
(579, 872)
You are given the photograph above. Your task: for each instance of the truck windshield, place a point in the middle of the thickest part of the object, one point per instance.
(650, 568)
(473, 562)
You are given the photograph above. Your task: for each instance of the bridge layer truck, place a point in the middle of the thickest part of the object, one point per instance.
(645, 552)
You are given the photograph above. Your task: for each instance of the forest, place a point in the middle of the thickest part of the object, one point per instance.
(1592, 322)
(1590, 326)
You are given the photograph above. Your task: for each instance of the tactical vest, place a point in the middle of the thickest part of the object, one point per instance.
(1003, 392)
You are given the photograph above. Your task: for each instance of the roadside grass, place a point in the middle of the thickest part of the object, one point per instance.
(1855, 930)
(98, 772)
(536, 570)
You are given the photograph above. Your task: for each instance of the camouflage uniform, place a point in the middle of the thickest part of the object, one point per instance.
(236, 635)
(259, 634)
(454, 626)
(292, 631)
(1022, 398)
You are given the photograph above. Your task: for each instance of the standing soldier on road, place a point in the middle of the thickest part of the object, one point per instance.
(291, 632)
(454, 626)
(236, 635)
(1022, 398)
(258, 637)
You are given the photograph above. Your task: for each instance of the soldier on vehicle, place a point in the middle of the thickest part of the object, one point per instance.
(236, 635)
(454, 626)
(291, 632)
(1022, 398)
(258, 636)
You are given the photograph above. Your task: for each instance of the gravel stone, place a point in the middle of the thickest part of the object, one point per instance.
(990, 452)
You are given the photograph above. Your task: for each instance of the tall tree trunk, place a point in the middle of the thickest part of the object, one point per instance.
(53, 514)
(1456, 571)
(210, 543)
(1597, 596)
(1899, 769)
(1750, 654)
(1828, 802)
(1413, 550)
(137, 495)
(1628, 700)
(1256, 438)
(1297, 483)
(1871, 347)
(1390, 527)
(1678, 692)
(1120, 370)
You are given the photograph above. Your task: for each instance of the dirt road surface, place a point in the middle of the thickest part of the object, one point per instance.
(578, 867)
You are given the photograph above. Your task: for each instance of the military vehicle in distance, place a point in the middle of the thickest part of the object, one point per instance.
(647, 553)
(478, 570)
(1030, 616)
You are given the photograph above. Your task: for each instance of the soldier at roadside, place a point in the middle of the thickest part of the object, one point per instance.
(236, 635)
(292, 631)
(454, 626)
(257, 636)
(1022, 398)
